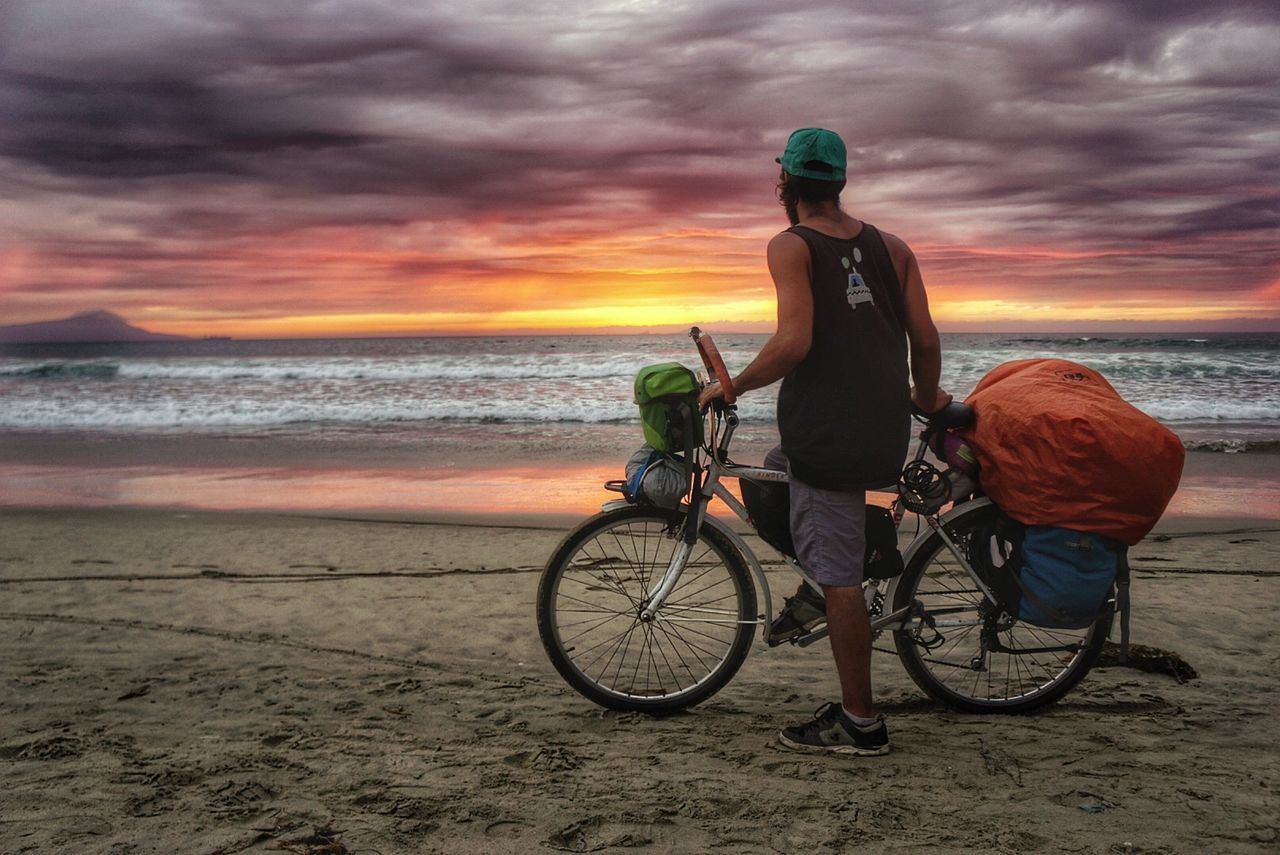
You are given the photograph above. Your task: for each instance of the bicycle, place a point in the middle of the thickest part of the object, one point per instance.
(646, 609)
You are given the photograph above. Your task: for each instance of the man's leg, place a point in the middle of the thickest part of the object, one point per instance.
(859, 730)
(829, 529)
(850, 629)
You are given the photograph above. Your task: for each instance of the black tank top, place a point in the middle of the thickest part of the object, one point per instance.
(845, 411)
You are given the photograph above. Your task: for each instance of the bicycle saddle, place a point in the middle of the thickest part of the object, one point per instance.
(953, 416)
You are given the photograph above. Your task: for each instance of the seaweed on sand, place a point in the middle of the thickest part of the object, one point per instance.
(1153, 660)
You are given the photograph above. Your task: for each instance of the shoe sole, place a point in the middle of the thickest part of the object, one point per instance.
(832, 749)
(802, 630)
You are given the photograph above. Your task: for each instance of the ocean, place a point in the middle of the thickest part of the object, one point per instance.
(506, 426)
(1217, 391)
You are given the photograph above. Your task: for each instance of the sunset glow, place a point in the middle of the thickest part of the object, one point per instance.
(359, 169)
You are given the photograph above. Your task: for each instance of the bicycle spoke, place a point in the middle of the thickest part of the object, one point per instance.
(707, 588)
(700, 657)
(601, 643)
(636, 672)
(685, 626)
(591, 605)
(656, 565)
(615, 582)
(591, 628)
(691, 652)
(694, 651)
(680, 657)
(635, 568)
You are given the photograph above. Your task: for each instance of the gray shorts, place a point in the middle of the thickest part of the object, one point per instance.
(828, 527)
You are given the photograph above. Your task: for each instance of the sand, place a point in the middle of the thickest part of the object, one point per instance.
(216, 683)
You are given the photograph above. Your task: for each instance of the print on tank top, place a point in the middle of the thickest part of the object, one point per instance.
(857, 292)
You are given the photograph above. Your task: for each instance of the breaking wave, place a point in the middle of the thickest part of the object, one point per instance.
(63, 371)
(1234, 446)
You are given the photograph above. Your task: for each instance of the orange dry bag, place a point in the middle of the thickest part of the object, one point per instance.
(1058, 446)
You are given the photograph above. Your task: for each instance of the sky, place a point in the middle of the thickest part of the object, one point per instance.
(291, 168)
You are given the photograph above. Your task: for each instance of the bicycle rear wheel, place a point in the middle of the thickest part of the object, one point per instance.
(589, 603)
(983, 661)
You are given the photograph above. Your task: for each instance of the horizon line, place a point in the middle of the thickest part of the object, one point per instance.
(628, 333)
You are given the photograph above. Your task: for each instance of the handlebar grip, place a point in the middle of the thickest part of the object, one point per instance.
(714, 363)
(955, 415)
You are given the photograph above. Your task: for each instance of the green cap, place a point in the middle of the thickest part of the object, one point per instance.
(815, 153)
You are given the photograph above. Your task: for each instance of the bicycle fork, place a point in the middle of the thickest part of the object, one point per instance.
(675, 568)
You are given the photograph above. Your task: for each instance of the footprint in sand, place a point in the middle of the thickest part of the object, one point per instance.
(550, 759)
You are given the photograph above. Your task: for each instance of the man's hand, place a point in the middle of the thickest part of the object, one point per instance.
(712, 391)
(939, 400)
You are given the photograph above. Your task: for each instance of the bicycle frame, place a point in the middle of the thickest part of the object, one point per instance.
(717, 467)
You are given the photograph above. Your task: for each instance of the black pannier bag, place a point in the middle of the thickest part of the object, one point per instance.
(1046, 575)
(769, 505)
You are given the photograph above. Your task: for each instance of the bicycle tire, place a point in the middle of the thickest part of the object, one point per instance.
(959, 670)
(693, 647)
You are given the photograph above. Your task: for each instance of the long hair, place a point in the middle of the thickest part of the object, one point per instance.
(793, 189)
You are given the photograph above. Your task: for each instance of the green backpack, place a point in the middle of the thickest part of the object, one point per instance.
(660, 390)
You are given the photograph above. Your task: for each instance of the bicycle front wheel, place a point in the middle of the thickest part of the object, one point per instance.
(592, 593)
(976, 658)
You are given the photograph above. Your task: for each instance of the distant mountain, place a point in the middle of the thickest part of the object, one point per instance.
(99, 326)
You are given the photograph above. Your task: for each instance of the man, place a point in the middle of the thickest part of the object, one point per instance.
(849, 298)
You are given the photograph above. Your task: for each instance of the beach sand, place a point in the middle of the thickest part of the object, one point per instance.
(200, 682)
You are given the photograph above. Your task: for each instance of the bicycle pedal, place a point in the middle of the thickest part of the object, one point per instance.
(811, 637)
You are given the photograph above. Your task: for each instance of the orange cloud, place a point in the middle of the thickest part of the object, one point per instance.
(371, 281)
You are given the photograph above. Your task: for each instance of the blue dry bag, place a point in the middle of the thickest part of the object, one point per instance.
(1049, 576)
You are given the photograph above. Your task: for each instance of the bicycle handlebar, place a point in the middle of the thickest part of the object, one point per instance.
(955, 415)
(713, 363)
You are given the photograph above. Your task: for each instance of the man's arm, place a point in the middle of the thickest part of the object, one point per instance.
(926, 347)
(789, 266)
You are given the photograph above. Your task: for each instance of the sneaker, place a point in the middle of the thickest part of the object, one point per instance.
(801, 613)
(831, 730)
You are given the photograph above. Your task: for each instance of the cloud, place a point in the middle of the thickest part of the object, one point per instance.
(181, 143)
